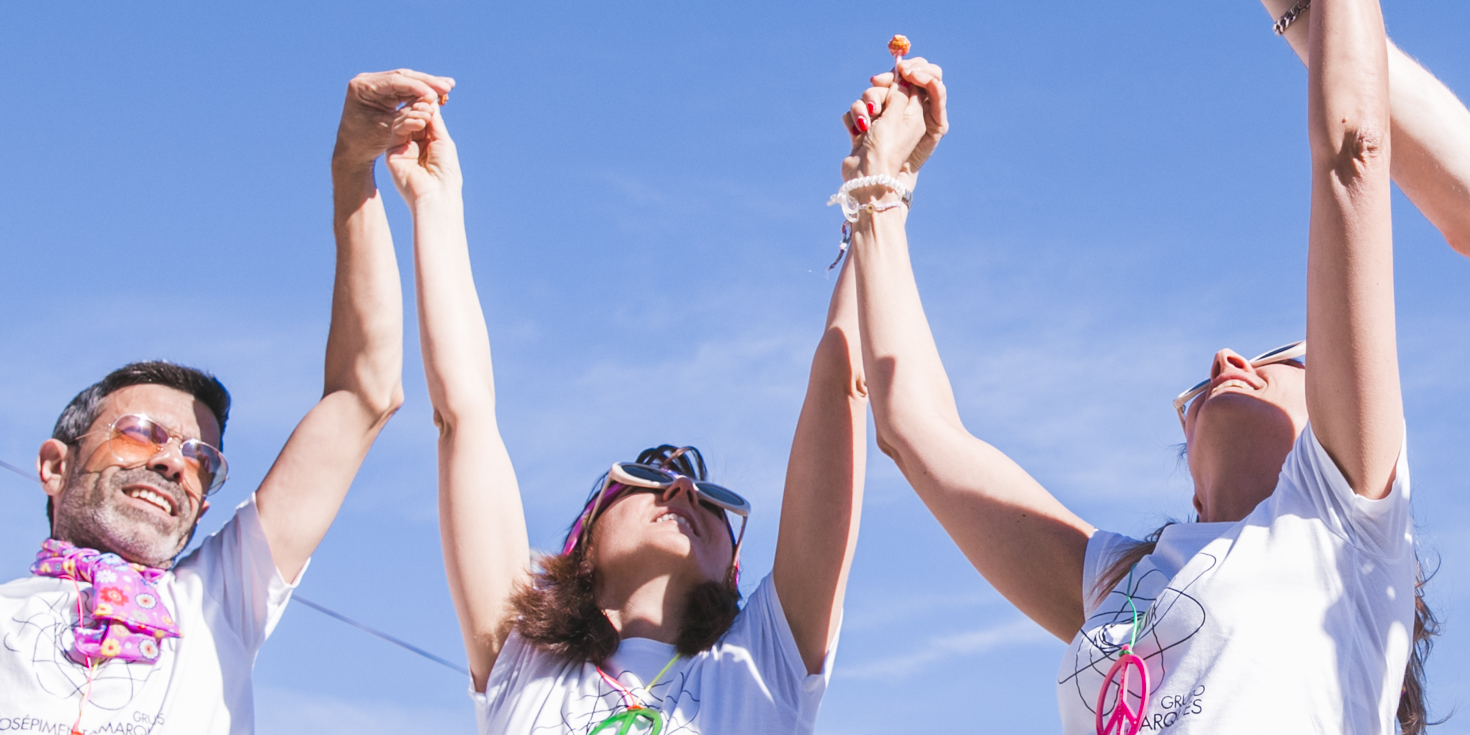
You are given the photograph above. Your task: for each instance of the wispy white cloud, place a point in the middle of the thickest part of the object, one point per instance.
(968, 644)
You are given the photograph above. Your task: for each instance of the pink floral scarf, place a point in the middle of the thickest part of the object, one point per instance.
(127, 620)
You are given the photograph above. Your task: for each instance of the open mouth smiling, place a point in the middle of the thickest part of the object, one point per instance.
(151, 496)
(673, 516)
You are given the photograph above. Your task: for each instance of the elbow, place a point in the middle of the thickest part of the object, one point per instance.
(390, 403)
(888, 447)
(373, 404)
(383, 402)
(1352, 152)
(838, 367)
(375, 385)
(450, 416)
(892, 439)
(913, 437)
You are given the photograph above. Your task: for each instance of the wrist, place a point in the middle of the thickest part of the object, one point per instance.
(876, 194)
(346, 166)
(348, 159)
(877, 168)
(444, 196)
(1289, 18)
(871, 193)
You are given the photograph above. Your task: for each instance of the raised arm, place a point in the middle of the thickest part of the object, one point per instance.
(1431, 136)
(822, 503)
(481, 522)
(1352, 376)
(1026, 543)
(363, 384)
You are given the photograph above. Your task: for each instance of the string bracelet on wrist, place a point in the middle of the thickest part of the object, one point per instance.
(851, 208)
(1290, 16)
(849, 203)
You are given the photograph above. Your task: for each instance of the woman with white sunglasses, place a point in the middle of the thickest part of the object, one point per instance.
(1291, 606)
(635, 626)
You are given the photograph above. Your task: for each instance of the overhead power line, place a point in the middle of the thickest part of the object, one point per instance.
(18, 470)
(381, 634)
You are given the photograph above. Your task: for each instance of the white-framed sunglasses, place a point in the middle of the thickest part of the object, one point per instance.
(717, 499)
(1293, 351)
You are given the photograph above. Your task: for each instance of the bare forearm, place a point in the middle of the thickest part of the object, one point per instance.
(911, 393)
(1431, 147)
(1352, 385)
(1431, 136)
(455, 340)
(365, 344)
(822, 504)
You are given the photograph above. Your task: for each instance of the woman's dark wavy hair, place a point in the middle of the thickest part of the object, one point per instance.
(1413, 714)
(557, 608)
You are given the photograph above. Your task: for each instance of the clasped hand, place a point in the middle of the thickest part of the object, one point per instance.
(896, 125)
(397, 113)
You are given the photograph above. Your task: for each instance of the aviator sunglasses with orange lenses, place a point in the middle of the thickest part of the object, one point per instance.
(1285, 353)
(133, 439)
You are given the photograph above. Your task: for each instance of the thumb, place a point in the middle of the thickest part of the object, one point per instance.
(437, 130)
(896, 101)
(408, 150)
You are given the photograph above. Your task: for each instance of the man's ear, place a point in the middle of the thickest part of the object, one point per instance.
(53, 463)
(203, 508)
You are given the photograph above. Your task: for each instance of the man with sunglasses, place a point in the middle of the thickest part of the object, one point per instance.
(109, 634)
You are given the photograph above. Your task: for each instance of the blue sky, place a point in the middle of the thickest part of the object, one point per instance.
(1123, 191)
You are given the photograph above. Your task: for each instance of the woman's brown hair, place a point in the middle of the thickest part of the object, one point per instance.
(1413, 714)
(557, 608)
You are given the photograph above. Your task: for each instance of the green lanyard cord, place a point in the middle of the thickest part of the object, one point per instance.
(1128, 590)
(640, 713)
(660, 674)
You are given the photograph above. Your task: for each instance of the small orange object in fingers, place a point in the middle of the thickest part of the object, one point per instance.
(899, 46)
(444, 99)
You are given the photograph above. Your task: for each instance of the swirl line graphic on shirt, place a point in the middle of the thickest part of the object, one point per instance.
(680, 710)
(1106, 630)
(45, 637)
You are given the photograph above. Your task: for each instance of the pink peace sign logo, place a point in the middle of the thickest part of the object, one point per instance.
(1125, 719)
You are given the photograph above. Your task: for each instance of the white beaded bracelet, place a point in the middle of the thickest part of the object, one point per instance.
(850, 205)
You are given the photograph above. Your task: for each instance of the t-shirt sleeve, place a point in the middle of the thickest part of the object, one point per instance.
(1312, 480)
(761, 629)
(515, 657)
(239, 577)
(1103, 548)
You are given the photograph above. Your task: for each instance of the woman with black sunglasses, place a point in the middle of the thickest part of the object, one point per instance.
(635, 626)
(1291, 606)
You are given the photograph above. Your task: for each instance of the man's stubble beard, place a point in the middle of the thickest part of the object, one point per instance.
(91, 514)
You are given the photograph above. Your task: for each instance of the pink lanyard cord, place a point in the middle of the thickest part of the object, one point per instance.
(76, 727)
(1126, 719)
(632, 702)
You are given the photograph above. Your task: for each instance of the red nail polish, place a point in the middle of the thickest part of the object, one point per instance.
(862, 124)
(870, 106)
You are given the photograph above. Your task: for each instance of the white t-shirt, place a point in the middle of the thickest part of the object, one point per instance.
(752, 682)
(1297, 619)
(226, 597)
